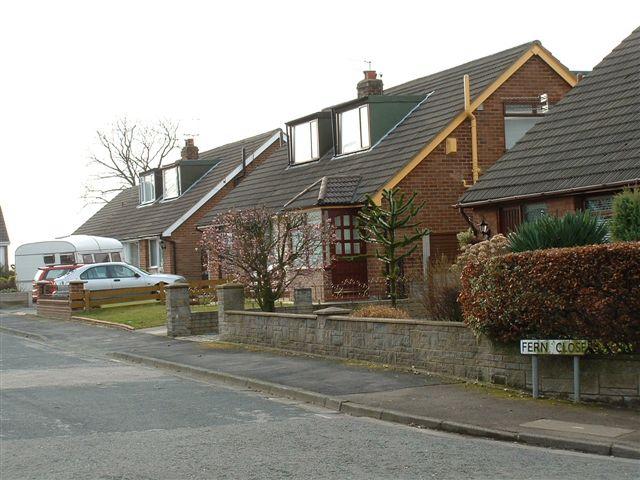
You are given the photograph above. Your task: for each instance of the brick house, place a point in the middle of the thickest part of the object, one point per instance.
(156, 220)
(433, 135)
(576, 158)
(4, 243)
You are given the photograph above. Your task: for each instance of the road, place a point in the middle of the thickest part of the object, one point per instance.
(68, 414)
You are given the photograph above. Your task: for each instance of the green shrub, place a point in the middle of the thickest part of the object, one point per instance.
(440, 295)
(466, 237)
(571, 230)
(590, 293)
(625, 224)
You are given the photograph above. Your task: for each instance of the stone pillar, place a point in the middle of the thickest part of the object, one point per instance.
(322, 316)
(302, 300)
(230, 297)
(178, 310)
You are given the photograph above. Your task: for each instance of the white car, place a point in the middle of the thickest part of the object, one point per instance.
(105, 276)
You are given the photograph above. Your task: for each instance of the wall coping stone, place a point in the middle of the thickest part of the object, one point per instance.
(408, 321)
(332, 311)
(176, 285)
(231, 285)
(270, 314)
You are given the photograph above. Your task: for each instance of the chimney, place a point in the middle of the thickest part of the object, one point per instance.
(370, 84)
(189, 151)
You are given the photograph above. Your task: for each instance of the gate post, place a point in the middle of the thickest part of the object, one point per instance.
(178, 310)
(230, 297)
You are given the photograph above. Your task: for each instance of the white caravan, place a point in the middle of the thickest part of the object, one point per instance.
(63, 251)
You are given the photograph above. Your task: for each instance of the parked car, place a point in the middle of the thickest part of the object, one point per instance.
(49, 274)
(105, 276)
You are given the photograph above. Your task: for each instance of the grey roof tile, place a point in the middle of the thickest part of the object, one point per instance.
(4, 235)
(124, 218)
(275, 184)
(591, 138)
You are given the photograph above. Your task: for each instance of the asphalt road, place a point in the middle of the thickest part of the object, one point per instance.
(70, 415)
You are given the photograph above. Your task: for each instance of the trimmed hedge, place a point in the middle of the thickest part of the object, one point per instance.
(588, 293)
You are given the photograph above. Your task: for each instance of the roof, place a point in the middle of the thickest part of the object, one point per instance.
(72, 243)
(275, 184)
(589, 140)
(123, 218)
(4, 235)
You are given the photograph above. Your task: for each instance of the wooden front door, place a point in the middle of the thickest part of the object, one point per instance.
(347, 273)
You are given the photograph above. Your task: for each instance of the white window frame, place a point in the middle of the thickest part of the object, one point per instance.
(159, 254)
(314, 141)
(364, 129)
(144, 201)
(515, 112)
(164, 183)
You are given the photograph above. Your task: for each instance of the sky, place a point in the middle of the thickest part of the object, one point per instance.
(229, 70)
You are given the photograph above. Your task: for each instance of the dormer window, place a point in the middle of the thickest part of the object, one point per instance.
(171, 182)
(304, 142)
(353, 130)
(147, 188)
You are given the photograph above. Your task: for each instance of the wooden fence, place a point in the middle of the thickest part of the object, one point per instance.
(199, 290)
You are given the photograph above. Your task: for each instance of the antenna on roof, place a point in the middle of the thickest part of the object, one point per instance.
(368, 62)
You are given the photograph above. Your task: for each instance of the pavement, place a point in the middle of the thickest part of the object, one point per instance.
(70, 414)
(358, 389)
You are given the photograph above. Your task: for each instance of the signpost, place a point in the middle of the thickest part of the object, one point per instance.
(575, 348)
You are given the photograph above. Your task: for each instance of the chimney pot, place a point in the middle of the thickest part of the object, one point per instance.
(370, 84)
(189, 151)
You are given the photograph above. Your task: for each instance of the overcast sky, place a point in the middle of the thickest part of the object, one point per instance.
(227, 70)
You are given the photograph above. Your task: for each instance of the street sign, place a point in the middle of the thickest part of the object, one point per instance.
(553, 347)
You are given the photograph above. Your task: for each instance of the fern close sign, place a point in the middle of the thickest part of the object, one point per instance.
(553, 347)
(575, 348)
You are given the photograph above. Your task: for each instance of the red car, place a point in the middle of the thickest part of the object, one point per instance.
(50, 273)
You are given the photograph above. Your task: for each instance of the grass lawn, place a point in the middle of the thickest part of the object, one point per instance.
(148, 313)
(138, 314)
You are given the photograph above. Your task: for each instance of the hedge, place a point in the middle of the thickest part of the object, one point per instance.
(590, 293)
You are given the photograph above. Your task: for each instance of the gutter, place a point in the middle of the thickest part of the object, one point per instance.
(475, 169)
(604, 186)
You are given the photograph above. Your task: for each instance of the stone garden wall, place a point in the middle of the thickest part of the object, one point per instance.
(445, 348)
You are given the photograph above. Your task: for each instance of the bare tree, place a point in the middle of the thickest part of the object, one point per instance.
(126, 150)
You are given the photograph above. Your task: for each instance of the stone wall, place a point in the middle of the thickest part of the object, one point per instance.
(203, 323)
(445, 348)
(54, 308)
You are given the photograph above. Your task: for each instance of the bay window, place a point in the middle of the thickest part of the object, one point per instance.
(353, 130)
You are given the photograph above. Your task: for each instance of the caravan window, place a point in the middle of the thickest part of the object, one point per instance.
(101, 257)
(67, 259)
(87, 258)
(115, 257)
(49, 259)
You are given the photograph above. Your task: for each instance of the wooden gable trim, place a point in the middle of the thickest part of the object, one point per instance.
(535, 50)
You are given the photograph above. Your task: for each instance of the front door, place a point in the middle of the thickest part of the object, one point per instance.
(348, 271)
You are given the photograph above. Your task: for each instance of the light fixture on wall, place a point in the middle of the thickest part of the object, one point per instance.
(485, 230)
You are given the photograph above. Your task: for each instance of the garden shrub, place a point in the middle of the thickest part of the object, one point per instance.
(590, 293)
(625, 224)
(440, 295)
(482, 251)
(379, 311)
(570, 230)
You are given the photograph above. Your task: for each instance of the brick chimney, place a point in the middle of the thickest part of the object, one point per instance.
(189, 151)
(370, 84)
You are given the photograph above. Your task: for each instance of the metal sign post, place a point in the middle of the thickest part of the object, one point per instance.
(575, 348)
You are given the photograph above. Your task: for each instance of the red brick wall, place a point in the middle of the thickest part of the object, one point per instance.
(187, 260)
(556, 206)
(438, 178)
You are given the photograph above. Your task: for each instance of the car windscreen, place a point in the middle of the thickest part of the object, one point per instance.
(59, 272)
